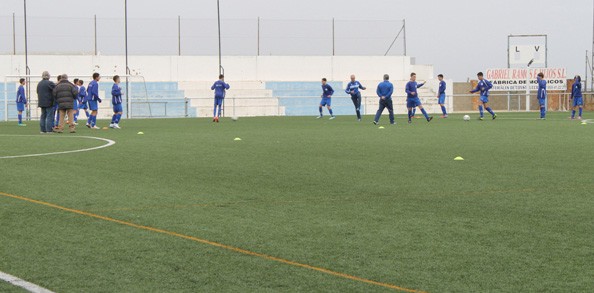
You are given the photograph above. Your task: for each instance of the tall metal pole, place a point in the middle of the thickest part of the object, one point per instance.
(13, 35)
(404, 28)
(95, 32)
(126, 48)
(27, 71)
(219, 24)
(333, 41)
(258, 36)
(178, 35)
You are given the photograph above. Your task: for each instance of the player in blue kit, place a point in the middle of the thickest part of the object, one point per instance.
(483, 87)
(116, 102)
(93, 100)
(576, 96)
(412, 98)
(353, 89)
(75, 103)
(21, 101)
(220, 87)
(542, 95)
(384, 91)
(82, 98)
(441, 95)
(327, 92)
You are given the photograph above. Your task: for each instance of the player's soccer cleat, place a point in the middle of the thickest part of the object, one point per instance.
(319, 117)
(409, 121)
(579, 117)
(333, 117)
(392, 123)
(481, 118)
(117, 126)
(111, 125)
(430, 118)
(359, 119)
(88, 125)
(95, 127)
(494, 116)
(444, 116)
(22, 124)
(375, 122)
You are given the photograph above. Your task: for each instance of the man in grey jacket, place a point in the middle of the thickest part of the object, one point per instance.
(46, 102)
(65, 92)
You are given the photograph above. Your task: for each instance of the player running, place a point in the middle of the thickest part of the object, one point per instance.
(441, 95)
(220, 87)
(483, 86)
(576, 96)
(327, 92)
(542, 95)
(412, 98)
(353, 90)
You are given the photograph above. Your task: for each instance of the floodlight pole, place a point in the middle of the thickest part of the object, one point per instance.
(127, 68)
(13, 35)
(219, 26)
(27, 70)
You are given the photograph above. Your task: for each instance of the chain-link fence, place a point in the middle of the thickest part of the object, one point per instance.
(187, 36)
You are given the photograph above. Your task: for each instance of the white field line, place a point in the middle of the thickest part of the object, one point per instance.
(23, 284)
(108, 144)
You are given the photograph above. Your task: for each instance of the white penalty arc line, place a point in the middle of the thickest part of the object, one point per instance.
(23, 284)
(108, 144)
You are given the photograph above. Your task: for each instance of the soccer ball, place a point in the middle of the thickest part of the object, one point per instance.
(234, 118)
(466, 118)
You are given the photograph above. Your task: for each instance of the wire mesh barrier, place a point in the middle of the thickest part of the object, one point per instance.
(140, 105)
(188, 36)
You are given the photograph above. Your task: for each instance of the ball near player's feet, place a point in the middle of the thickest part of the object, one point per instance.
(466, 118)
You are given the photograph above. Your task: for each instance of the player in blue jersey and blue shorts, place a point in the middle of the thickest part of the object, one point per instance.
(220, 87)
(483, 87)
(21, 101)
(576, 96)
(353, 89)
(93, 100)
(116, 102)
(327, 92)
(82, 98)
(412, 98)
(542, 95)
(441, 95)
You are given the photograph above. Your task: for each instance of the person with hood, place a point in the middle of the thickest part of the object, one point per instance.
(65, 93)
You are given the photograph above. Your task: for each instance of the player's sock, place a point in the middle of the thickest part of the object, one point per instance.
(358, 114)
(89, 118)
(572, 114)
(20, 118)
(214, 111)
(414, 111)
(443, 110)
(542, 112)
(490, 111)
(330, 110)
(481, 111)
(118, 117)
(76, 117)
(581, 112)
(425, 113)
(93, 121)
(113, 118)
(321, 114)
(87, 112)
(410, 113)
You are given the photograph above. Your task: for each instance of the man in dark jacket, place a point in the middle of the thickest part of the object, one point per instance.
(65, 92)
(46, 102)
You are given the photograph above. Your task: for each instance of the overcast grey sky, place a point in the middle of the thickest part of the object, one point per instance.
(458, 37)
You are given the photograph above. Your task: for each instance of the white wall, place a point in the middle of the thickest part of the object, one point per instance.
(237, 68)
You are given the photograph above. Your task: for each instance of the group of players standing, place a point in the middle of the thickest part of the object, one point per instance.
(55, 113)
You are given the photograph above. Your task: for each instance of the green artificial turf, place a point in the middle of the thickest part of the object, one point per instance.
(389, 205)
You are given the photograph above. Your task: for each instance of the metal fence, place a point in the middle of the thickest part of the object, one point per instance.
(187, 36)
(305, 106)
